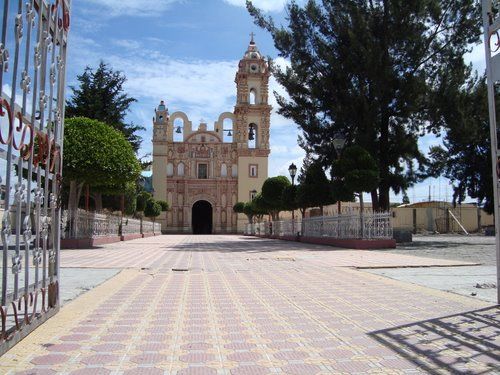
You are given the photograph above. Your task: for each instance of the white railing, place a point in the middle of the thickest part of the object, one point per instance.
(131, 226)
(87, 224)
(374, 226)
(287, 228)
(149, 227)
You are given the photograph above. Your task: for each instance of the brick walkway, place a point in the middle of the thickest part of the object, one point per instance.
(250, 306)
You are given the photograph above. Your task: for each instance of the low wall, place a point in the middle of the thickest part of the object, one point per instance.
(357, 244)
(87, 243)
(89, 229)
(437, 219)
(372, 231)
(130, 236)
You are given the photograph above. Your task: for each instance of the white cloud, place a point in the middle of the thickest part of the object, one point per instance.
(139, 8)
(127, 43)
(265, 5)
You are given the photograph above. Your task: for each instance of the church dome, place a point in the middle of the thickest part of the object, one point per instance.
(252, 52)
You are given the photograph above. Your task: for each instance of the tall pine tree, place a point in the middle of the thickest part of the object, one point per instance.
(100, 97)
(465, 157)
(368, 69)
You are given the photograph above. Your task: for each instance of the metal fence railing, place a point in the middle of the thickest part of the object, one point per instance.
(85, 224)
(149, 227)
(371, 226)
(130, 226)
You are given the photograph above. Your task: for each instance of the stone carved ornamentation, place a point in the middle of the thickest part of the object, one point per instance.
(214, 171)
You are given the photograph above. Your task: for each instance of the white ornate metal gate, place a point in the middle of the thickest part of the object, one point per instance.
(32, 80)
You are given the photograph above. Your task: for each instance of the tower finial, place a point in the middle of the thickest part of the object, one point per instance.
(252, 35)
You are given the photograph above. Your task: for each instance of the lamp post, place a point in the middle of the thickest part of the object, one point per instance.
(292, 169)
(338, 144)
(253, 194)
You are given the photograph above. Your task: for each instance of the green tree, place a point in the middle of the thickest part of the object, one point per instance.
(248, 210)
(259, 207)
(289, 198)
(359, 172)
(238, 207)
(130, 200)
(406, 200)
(255, 208)
(100, 96)
(272, 191)
(164, 205)
(368, 70)
(98, 156)
(142, 198)
(316, 190)
(152, 209)
(465, 156)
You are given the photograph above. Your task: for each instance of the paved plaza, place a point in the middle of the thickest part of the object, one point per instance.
(234, 305)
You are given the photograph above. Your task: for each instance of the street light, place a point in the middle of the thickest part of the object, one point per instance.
(338, 144)
(292, 169)
(253, 193)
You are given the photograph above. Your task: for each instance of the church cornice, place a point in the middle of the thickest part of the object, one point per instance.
(246, 152)
(245, 108)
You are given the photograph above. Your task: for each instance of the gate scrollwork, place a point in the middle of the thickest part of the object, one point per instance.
(33, 45)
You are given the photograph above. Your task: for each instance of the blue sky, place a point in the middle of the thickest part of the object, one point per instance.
(186, 53)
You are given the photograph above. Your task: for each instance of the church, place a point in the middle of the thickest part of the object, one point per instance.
(203, 172)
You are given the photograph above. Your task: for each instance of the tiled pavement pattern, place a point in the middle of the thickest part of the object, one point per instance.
(238, 311)
(232, 251)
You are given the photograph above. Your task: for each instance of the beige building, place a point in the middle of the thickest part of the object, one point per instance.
(203, 172)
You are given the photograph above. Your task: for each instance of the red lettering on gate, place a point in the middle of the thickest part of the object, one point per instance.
(41, 148)
(4, 104)
(23, 148)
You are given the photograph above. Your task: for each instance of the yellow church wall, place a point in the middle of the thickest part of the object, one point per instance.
(160, 171)
(247, 183)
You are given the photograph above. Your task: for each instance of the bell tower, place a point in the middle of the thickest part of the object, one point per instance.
(161, 134)
(252, 110)
(252, 114)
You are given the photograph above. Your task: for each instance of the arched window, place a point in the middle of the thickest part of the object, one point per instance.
(180, 169)
(223, 170)
(170, 170)
(253, 97)
(234, 170)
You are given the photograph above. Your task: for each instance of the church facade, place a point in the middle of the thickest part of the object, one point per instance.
(203, 172)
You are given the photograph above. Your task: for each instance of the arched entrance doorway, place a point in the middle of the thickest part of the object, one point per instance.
(202, 218)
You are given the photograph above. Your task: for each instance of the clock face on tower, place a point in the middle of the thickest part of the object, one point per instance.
(254, 68)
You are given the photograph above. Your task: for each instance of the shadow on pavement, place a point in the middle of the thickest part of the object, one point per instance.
(466, 343)
(250, 245)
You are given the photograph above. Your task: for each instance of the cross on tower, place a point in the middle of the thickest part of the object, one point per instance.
(252, 35)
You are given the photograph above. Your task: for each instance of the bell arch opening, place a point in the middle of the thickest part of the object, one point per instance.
(202, 214)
